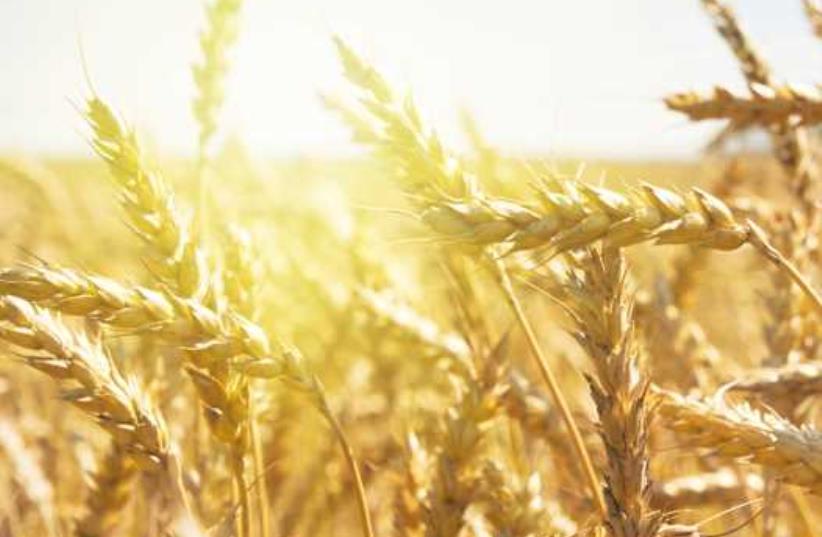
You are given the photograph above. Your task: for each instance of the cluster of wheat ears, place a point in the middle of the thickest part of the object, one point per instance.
(320, 380)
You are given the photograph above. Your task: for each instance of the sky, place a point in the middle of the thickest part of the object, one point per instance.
(547, 77)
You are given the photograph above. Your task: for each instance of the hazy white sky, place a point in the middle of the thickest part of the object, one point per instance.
(547, 76)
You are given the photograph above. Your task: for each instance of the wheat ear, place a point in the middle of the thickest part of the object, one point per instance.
(570, 214)
(515, 506)
(149, 204)
(553, 386)
(115, 402)
(793, 454)
(766, 106)
(207, 336)
(787, 385)
(216, 39)
(462, 443)
(813, 9)
(210, 73)
(596, 295)
(208, 339)
(791, 142)
(429, 175)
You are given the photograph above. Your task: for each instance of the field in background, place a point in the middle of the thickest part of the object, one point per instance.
(419, 343)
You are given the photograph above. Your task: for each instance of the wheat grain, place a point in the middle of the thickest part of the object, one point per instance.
(148, 204)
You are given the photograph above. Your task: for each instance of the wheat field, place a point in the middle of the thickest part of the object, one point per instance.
(420, 343)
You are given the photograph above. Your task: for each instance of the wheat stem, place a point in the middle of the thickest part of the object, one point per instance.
(760, 242)
(351, 461)
(258, 461)
(553, 387)
(238, 469)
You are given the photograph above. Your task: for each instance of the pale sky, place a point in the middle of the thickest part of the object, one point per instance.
(554, 77)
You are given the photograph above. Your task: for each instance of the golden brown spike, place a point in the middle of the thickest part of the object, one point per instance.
(792, 454)
(602, 308)
(766, 107)
(148, 204)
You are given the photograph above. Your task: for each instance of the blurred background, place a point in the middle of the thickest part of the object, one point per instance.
(543, 78)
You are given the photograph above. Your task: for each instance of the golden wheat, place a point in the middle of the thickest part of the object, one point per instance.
(766, 106)
(424, 359)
